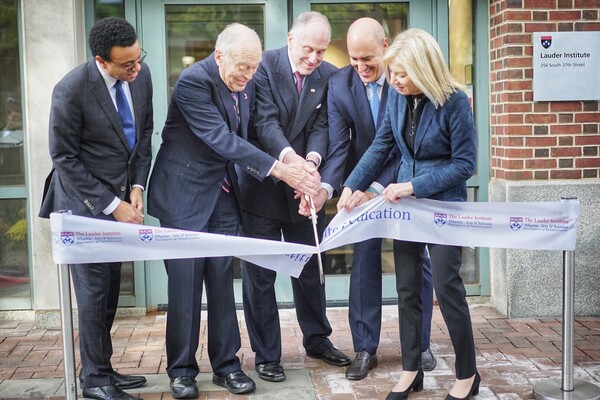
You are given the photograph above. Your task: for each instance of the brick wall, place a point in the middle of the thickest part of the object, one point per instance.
(538, 140)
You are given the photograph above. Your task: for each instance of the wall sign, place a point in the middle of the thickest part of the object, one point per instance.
(566, 66)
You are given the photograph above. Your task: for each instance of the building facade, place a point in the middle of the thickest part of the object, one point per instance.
(527, 150)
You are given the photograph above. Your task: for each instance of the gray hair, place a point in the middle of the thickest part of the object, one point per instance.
(307, 18)
(235, 36)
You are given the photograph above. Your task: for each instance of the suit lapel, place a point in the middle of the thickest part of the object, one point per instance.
(426, 117)
(98, 88)
(383, 102)
(244, 104)
(359, 94)
(137, 99)
(312, 94)
(284, 82)
(223, 92)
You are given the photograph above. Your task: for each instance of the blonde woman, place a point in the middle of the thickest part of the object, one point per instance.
(428, 117)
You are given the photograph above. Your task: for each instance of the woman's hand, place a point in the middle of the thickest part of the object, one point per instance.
(395, 191)
(348, 199)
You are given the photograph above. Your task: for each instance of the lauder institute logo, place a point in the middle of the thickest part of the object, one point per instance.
(440, 219)
(546, 41)
(516, 223)
(145, 235)
(68, 238)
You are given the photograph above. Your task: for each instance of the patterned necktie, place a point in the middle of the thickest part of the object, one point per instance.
(234, 96)
(126, 116)
(374, 101)
(299, 79)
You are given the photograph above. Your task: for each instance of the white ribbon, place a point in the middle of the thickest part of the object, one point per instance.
(541, 225)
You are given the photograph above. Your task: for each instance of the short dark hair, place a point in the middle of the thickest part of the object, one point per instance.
(108, 33)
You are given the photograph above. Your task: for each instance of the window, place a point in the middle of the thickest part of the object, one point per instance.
(14, 254)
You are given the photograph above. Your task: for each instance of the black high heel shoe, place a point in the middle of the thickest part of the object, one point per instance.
(473, 392)
(416, 385)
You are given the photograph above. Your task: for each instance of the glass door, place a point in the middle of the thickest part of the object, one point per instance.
(177, 33)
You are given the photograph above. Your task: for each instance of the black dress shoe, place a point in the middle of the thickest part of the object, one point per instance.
(109, 392)
(271, 372)
(128, 381)
(332, 356)
(416, 385)
(473, 392)
(428, 361)
(125, 381)
(236, 382)
(359, 369)
(184, 387)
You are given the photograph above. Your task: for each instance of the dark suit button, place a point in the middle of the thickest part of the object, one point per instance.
(92, 208)
(122, 188)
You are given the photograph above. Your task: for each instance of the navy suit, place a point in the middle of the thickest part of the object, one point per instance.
(351, 132)
(282, 119)
(443, 160)
(200, 142)
(92, 165)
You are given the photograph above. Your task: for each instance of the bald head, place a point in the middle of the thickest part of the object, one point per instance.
(366, 46)
(365, 30)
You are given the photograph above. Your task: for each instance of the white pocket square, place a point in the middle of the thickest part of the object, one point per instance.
(319, 106)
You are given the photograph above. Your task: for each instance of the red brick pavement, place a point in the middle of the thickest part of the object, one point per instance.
(512, 354)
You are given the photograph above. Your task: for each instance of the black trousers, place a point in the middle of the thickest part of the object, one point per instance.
(445, 262)
(260, 303)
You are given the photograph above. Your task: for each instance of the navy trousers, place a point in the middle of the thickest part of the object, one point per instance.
(97, 292)
(364, 311)
(186, 280)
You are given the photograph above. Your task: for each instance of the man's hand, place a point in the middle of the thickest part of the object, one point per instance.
(137, 199)
(348, 199)
(292, 158)
(302, 177)
(395, 191)
(125, 212)
(319, 201)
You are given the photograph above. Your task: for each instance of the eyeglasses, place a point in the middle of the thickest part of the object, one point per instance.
(130, 67)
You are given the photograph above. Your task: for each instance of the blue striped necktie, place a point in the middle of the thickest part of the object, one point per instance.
(374, 102)
(126, 116)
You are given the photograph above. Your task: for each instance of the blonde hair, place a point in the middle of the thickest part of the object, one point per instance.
(421, 57)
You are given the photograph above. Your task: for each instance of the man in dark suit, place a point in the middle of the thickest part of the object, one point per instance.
(354, 116)
(290, 124)
(203, 137)
(100, 130)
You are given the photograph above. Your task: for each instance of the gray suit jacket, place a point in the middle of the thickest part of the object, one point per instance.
(91, 161)
(283, 120)
(199, 146)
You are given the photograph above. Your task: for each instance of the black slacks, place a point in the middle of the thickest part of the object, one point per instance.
(450, 291)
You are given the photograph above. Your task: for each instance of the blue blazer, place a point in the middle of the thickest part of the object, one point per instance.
(283, 120)
(199, 147)
(91, 161)
(351, 128)
(445, 149)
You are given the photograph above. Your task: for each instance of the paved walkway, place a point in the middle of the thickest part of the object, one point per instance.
(512, 355)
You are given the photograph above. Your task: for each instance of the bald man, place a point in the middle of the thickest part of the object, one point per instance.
(356, 106)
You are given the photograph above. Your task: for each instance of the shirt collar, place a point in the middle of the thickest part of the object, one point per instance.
(109, 81)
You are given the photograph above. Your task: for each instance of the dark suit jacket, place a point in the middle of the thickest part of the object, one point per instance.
(284, 120)
(91, 161)
(199, 145)
(445, 150)
(351, 129)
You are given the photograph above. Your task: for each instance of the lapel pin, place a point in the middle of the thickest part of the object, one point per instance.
(312, 90)
(245, 96)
